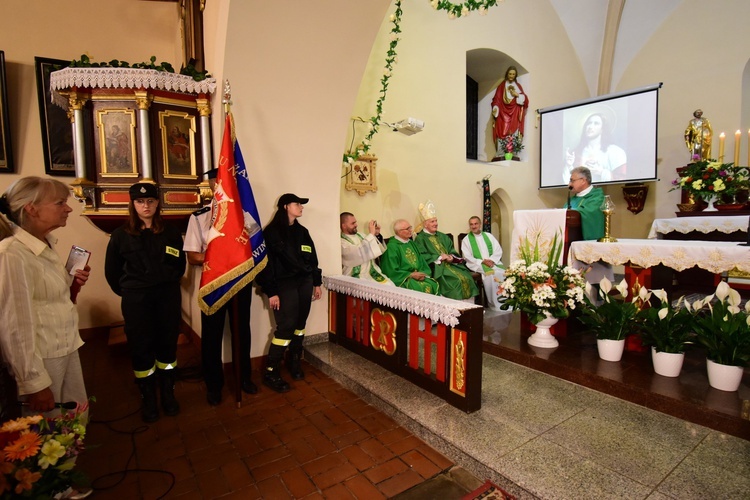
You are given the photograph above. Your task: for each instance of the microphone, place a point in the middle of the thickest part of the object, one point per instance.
(69, 405)
(570, 188)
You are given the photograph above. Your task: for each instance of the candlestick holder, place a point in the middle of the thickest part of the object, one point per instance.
(608, 208)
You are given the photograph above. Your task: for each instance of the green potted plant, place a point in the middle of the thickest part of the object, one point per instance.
(669, 332)
(615, 318)
(723, 329)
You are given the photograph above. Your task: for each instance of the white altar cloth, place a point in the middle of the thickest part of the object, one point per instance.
(704, 225)
(713, 256)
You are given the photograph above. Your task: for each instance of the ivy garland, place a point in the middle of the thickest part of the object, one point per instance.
(454, 10)
(189, 70)
(390, 59)
(463, 8)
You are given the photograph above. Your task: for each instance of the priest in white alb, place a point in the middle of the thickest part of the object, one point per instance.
(358, 253)
(483, 253)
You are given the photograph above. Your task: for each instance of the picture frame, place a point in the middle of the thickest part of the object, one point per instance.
(361, 175)
(6, 150)
(57, 132)
(117, 142)
(178, 144)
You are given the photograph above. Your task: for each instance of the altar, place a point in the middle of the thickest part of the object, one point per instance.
(706, 228)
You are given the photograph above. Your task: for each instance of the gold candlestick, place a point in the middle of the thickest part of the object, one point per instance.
(608, 208)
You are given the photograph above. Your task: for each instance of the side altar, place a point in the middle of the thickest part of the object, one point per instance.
(136, 125)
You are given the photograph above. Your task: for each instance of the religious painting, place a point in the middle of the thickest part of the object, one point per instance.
(361, 175)
(6, 152)
(178, 144)
(57, 131)
(191, 14)
(117, 142)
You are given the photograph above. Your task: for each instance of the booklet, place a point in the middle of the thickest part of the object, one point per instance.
(77, 259)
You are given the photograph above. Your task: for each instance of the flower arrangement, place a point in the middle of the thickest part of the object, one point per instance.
(617, 316)
(510, 143)
(38, 455)
(540, 288)
(665, 328)
(707, 178)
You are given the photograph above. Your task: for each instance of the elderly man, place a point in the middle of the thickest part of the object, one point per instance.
(358, 253)
(482, 253)
(402, 263)
(437, 250)
(588, 201)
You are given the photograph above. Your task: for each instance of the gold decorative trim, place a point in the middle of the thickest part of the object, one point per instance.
(458, 362)
(361, 175)
(383, 327)
(117, 142)
(178, 144)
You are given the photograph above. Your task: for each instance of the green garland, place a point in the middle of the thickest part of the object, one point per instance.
(390, 59)
(463, 8)
(188, 70)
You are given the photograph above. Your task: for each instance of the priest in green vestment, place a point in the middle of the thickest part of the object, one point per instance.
(588, 201)
(402, 263)
(437, 250)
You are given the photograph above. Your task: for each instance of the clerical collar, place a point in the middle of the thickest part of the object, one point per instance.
(399, 238)
(585, 191)
(424, 229)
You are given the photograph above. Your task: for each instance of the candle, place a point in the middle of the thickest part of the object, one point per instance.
(722, 136)
(736, 148)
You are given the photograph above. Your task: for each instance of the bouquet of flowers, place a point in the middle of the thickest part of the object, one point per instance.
(541, 288)
(707, 178)
(38, 455)
(510, 143)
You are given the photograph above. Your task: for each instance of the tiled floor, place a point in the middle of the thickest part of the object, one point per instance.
(317, 441)
(539, 436)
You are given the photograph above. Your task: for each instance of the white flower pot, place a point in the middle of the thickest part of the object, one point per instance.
(542, 337)
(667, 364)
(610, 350)
(724, 377)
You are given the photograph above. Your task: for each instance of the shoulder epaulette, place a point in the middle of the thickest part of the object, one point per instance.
(202, 210)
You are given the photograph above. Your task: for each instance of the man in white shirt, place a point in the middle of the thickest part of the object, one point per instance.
(358, 253)
(483, 253)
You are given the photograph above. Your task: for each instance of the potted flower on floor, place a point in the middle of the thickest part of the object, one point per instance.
(615, 318)
(722, 327)
(669, 332)
(541, 287)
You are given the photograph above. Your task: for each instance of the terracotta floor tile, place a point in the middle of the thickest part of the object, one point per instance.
(420, 464)
(399, 484)
(407, 444)
(391, 435)
(376, 450)
(339, 492)
(274, 488)
(324, 463)
(237, 475)
(334, 476)
(440, 460)
(358, 458)
(273, 469)
(212, 485)
(386, 470)
(298, 483)
(362, 488)
(345, 440)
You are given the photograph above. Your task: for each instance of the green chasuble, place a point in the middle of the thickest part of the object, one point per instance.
(592, 217)
(454, 279)
(400, 260)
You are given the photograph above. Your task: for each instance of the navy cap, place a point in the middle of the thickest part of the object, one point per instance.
(143, 190)
(288, 198)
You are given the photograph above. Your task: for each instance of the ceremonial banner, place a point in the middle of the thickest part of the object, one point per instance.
(236, 250)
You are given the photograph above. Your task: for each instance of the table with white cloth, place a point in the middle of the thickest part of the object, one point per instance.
(646, 260)
(731, 228)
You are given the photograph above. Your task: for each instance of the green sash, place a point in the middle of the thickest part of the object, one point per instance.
(475, 249)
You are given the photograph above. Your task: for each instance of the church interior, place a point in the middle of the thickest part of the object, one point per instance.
(306, 78)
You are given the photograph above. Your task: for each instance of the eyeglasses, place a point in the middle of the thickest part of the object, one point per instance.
(577, 179)
(404, 228)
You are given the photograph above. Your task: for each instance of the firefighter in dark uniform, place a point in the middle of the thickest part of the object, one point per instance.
(144, 265)
(293, 265)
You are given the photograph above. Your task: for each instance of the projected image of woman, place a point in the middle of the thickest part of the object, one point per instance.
(596, 152)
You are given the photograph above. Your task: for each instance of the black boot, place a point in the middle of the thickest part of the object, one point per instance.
(272, 378)
(294, 364)
(166, 385)
(150, 409)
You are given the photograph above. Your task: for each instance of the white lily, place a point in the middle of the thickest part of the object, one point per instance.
(644, 294)
(722, 291)
(663, 312)
(661, 295)
(605, 285)
(622, 287)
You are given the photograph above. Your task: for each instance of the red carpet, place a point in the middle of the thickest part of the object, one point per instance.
(489, 491)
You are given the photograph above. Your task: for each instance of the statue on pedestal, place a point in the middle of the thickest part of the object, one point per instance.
(698, 137)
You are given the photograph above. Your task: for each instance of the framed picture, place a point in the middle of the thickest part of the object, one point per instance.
(117, 142)
(361, 175)
(57, 132)
(178, 144)
(6, 152)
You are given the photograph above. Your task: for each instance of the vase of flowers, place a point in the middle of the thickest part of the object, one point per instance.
(722, 328)
(39, 454)
(669, 332)
(541, 287)
(510, 145)
(615, 317)
(706, 180)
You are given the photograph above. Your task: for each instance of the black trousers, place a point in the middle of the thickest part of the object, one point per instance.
(295, 299)
(212, 334)
(152, 325)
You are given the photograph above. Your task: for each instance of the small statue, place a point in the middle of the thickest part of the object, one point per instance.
(698, 137)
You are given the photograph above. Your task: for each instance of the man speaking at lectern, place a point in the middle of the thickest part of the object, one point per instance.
(588, 201)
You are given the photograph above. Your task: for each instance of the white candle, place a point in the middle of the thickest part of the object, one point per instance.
(736, 148)
(722, 136)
